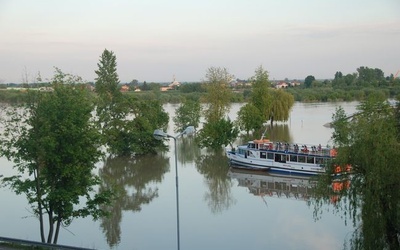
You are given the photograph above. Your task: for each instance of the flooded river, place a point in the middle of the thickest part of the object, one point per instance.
(218, 208)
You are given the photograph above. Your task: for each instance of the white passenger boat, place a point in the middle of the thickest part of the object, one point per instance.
(280, 156)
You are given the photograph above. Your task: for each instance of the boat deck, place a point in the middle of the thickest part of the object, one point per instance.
(284, 147)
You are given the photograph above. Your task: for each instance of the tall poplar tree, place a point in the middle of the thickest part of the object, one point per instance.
(127, 125)
(218, 94)
(261, 96)
(217, 130)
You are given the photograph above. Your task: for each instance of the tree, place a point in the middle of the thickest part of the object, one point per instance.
(217, 131)
(187, 114)
(281, 105)
(133, 84)
(218, 94)
(127, 125)
(368, 143)
(148, 116)
(249, 118)
(260, 94)
(111, 108)
(107, 78)
(338, 75)
(55, 147)
(308, 81)
(270, 104)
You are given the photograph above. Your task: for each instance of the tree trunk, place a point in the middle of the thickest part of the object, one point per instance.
(57, 230)
(39, 195)
(51, 225)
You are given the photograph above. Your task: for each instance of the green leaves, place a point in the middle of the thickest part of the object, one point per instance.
(368, 142)
(187, 114)
(218, 133)
(126, 124)
(249, 118)
(55, 146)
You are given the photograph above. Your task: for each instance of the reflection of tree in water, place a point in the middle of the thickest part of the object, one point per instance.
(187, 149)
(278, 132)
(214, 167)
(130, 177)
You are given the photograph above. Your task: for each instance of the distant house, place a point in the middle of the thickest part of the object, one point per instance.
(281, 85)
(295, 83)
(174, 84)
(124, 88)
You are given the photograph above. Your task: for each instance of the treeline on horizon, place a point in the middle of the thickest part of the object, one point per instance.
(355, 86)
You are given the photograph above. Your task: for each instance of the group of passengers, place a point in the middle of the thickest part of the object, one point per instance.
(304, 148)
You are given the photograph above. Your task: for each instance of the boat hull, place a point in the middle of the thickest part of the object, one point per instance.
(241, 161)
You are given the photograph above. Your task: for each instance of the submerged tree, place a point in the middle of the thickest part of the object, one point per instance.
(217, 130)
(218, 133)
(218, 94)
(55, 146)
(369, 144)
(187, 114)
(126, 124)
(282, 103)
(261, 96)
(249, 118)
(273, 105)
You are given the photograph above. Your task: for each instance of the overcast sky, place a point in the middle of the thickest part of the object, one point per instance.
(154, 40)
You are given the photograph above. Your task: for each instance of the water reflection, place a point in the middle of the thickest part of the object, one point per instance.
(278, 132)
(213, 165)
(187, 150)
(261, 183)
(134, 180)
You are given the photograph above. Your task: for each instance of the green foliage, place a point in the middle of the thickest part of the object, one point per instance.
(281, 105)
(368, 142)
(260, 94)
(127, 124)
(55, 146)
(308, 81)
(249, 118)
(149, 115)
(191, 88)
(107, 78)
(218, 94)
(217, 133)
(187, 114)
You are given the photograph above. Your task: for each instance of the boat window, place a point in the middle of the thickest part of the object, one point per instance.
(319, 160)
(310, 159)
(270, 156)
(301, 159)
(293, 158)
(263, 155)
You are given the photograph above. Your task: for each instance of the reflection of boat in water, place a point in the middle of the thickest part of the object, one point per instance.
(278, 156)
(277, 185)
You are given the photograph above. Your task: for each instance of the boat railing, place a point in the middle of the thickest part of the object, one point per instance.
(295, 148)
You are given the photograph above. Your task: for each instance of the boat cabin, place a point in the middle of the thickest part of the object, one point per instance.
(285, 152)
